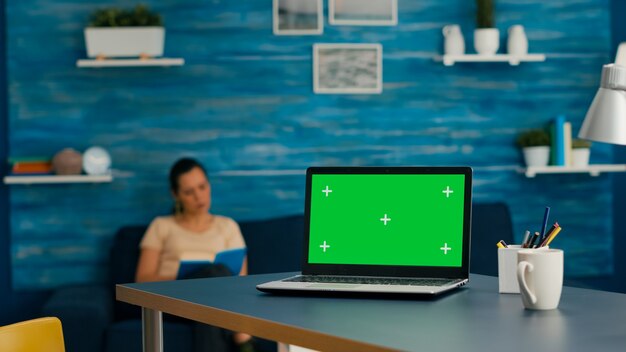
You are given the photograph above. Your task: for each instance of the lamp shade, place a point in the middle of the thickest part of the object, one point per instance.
(606, 119)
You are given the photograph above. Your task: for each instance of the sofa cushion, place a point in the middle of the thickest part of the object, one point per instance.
(76, 305)
(491, 222)
(274, 245)
(123, 264)
(125, 254)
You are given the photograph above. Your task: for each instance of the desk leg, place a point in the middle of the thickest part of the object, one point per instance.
(152, 330)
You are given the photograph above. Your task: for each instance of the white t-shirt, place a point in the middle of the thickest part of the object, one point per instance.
(176, 243)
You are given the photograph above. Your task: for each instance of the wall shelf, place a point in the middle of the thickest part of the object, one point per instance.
(163, 61)
(40, 179)
(513, 60)
(593, 170)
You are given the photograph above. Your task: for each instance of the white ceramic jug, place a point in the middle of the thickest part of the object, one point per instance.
(517, 43)
(454, 43)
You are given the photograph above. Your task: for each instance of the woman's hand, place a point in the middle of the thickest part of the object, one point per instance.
(148, 266)
(244, 267)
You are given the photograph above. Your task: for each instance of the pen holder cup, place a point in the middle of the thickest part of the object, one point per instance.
(507, 268)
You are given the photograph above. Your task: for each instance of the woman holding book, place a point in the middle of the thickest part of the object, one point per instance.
(192, 232)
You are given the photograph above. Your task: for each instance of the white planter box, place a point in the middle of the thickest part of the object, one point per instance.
(486, 41)
(536, 156)
(124, 41)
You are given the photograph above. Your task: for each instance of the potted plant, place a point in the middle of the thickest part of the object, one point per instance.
(535, 146)
(580, 152)
(115, 32)
(486, 36)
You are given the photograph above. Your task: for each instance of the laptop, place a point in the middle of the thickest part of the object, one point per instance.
(384, 230)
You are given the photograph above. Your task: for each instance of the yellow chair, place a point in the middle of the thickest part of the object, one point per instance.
(43, 334)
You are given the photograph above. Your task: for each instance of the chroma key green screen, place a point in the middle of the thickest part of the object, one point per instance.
(387, 219)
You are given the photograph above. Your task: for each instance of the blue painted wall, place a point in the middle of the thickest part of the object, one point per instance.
(14, 306)
(243, 104)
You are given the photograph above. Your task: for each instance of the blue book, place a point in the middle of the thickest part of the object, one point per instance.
(231, 258)
(559, 141)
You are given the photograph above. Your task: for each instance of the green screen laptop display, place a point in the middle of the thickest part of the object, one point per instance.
(398, 219)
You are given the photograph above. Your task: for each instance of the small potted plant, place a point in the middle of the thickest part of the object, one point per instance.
(580, 152)
(486, 36)
(535, 146)
(115, 32)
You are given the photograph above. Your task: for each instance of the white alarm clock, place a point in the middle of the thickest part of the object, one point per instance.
(96, 161)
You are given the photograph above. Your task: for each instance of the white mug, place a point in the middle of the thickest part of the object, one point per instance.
(540, 278)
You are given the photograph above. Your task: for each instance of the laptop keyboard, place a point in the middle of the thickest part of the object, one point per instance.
(369, 280)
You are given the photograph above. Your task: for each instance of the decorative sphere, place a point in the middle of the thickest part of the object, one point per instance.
(67, 162)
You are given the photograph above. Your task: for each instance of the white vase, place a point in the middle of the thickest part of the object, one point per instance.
(124, 41)
(536, 156)
(486, 41)
(580, 157)
(517, 43)
(454, 44)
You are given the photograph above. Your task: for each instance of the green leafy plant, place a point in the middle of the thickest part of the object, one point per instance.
(533, 138)
(580, 144)
(140, 16)
(484, 14)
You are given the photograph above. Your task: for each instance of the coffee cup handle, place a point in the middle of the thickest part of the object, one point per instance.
(521, 269)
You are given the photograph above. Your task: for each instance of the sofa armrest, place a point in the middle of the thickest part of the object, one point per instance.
(85, 313)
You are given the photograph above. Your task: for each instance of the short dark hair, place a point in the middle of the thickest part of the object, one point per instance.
(183, 166)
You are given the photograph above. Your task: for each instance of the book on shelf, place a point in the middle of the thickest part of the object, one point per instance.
(231, 258)
(31, 168)
(561, 142)
(567, 143)
(28, 159)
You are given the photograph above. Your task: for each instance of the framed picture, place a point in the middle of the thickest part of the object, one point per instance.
(347, 68)
(363, 12)
(298, 17)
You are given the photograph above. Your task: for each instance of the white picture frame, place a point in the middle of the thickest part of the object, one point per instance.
(298, 17)
(363, 12)
(347, 68)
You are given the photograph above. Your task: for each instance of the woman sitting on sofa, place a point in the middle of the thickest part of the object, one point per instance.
(191, 231)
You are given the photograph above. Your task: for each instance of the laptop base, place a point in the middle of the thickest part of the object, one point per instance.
(332, 287)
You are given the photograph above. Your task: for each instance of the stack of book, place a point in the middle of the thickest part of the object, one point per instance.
(30, 166)
(561, 137)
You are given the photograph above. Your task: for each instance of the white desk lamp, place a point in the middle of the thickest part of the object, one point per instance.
(606, 119)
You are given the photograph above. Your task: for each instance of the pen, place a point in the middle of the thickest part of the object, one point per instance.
(526, 236)
(550, 232)
(531, 243)
(502, 244)
(552, 236)
(552, 228)
(546, 214)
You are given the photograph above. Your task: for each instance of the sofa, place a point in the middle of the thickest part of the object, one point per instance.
(94, 321)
